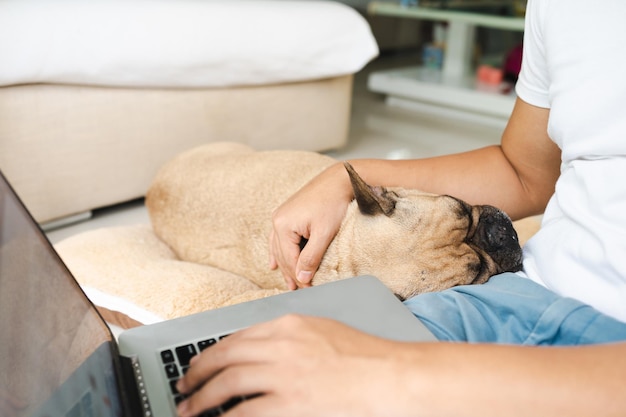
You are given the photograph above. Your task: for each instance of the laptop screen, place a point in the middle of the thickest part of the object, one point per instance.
(48, 328)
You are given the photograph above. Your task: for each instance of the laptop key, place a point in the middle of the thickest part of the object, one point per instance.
(203, 344)
(167, 356)
(185, 353)
(173, 387)
(171, 370)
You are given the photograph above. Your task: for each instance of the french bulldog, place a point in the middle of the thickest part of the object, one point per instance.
(212, 205)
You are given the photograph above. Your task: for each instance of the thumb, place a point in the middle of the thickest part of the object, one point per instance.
(310, 259)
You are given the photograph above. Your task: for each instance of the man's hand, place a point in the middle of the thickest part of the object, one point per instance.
(314, 214)
(292, 361)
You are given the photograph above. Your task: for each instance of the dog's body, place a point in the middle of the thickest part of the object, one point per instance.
(213, 206)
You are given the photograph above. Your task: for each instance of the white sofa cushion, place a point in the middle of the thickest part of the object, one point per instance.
(179, 43)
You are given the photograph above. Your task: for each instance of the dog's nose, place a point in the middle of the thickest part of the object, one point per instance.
(496, 236)
(499, 235)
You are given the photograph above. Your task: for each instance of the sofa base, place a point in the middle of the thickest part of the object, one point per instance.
(70, 149)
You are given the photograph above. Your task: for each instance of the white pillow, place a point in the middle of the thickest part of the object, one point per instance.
(179, 43)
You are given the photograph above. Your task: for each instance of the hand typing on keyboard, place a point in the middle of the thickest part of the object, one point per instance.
(176, 362)
(299, 366)
(292, 366)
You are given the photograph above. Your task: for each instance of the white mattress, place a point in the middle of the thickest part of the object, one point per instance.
(179, 43)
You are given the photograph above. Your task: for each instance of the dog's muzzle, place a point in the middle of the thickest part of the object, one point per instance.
(496, 236)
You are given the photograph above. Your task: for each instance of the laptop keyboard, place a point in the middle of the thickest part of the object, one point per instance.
(176, 363)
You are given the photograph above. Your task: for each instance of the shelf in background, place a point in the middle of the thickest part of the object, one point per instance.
(425, 13)
(453, 90)
(427, 90)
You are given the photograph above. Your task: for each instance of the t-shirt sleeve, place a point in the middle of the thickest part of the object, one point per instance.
(534, 80)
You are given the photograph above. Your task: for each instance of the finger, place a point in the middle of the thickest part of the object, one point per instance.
(310, 258)
(235, 382)
(245, 346)
(273, 264)
(274, 249)
(204, 367)
(261, 406)
(280, 242)
(287, 258)
(289, 280)
(291, 283)
(248, 362)
(256, 344)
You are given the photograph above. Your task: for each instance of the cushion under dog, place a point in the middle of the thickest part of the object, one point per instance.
(134, 278)
(148, 278)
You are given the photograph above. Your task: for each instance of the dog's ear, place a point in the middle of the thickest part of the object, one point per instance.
(371, 200)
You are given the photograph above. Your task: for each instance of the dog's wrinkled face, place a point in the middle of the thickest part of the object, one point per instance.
(419, 242)
(493, 234)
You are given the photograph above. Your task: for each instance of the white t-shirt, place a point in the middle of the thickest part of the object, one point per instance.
(575, 64)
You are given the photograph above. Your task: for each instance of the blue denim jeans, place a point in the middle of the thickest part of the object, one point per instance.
(511, 309)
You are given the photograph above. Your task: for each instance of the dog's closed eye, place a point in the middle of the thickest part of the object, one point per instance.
(464, 210)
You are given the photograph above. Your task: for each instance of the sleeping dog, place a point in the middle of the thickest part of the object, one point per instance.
(212, 205)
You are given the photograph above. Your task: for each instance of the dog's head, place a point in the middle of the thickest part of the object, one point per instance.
(418, 242)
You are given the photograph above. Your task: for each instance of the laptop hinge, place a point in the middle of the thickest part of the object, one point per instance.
(136, 395)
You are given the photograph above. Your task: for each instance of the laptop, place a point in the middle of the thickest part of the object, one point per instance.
(59, 358)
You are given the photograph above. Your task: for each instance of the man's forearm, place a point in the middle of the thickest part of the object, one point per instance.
(518, 176)
(492, 380)
(482, 176)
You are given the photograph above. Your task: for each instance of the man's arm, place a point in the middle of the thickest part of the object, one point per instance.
(498, 380)
(310, 366)
(518, 177)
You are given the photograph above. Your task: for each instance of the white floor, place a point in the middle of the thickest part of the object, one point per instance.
(377, 131)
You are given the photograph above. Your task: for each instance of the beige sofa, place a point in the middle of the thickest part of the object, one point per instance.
(86, 122)
(71, 149)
